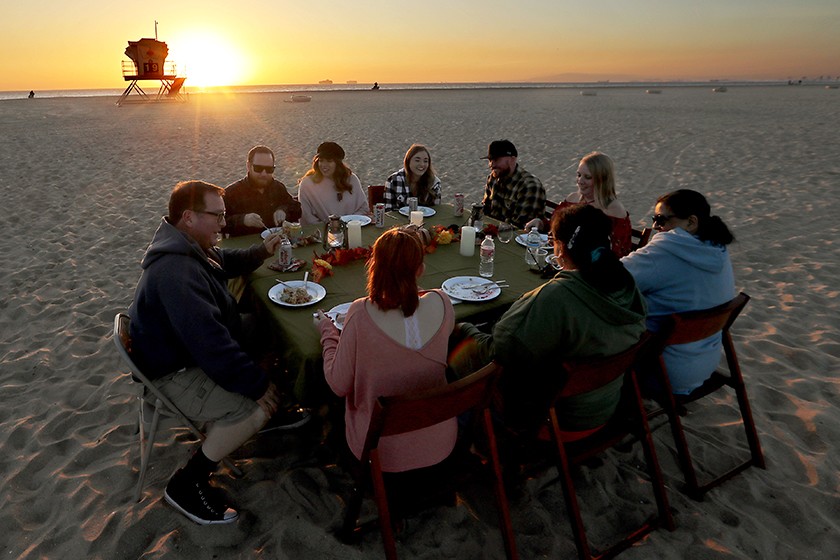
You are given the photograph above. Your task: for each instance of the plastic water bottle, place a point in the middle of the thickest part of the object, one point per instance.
(488, 254)
(532, 243)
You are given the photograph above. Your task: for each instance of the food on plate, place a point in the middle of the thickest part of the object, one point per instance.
(295, 296)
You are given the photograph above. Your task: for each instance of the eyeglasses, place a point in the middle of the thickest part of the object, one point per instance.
(661, 219)
(263, 168)
(220, 216)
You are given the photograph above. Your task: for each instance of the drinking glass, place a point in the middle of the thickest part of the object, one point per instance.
(506, 232)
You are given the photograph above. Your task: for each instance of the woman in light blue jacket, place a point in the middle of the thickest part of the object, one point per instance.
(685, 267)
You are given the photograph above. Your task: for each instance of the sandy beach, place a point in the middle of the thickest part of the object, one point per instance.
(85, 183)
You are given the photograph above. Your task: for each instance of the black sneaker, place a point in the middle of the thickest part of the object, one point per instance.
(198, 500)
(288, 419)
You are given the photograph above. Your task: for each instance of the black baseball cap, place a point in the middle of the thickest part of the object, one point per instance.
(500, 148)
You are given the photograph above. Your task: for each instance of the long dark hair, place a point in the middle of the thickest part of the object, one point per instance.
(392, 271)
(686, 202)
(425, 181)
(584, 231)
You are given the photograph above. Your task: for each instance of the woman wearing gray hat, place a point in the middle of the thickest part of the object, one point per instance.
(330, 187)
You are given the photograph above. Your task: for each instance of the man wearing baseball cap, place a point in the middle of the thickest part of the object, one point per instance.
(512, 194)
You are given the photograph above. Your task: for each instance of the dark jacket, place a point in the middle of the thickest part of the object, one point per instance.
(243, 198)
(183, 314)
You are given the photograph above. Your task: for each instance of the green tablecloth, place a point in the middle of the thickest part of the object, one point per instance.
(293, 329)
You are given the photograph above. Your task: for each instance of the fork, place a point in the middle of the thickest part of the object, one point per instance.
(483, 289)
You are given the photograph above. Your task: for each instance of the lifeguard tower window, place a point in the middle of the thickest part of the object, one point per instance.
(148, 62)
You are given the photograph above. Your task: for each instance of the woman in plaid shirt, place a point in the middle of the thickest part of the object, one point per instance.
(416, 178)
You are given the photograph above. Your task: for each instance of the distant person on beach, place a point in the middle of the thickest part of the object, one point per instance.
(187, 335)
(596, 187)
(416, 178)
(394, 341)
(31, 94)
(258, 200)
(375, 85)
(330, 187)
(511, 194)
(685, 267)
(591, 307)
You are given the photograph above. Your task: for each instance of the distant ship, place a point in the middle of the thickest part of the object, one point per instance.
(352, 82)
(299, 99)
(325, 82)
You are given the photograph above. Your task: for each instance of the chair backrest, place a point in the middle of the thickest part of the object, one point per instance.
(376, 193)
(639, 237)
(692, 326)
(550, 208)
(397, 415)
(589, 374)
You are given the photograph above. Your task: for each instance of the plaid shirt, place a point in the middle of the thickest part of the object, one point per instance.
(397, 192)
(515, 199)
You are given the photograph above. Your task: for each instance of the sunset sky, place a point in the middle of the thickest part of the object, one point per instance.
(79, 44)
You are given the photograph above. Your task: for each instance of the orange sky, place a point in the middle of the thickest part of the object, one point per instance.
(51, 45)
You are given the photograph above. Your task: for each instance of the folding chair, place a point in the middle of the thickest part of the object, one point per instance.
(398, 415)
(690, 327)
(585, 375)
(639, 237)
(154, 402)
(376, 193)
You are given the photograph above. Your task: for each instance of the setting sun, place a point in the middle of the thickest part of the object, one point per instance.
(207, 59)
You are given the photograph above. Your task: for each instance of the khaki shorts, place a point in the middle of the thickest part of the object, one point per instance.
(202, 400)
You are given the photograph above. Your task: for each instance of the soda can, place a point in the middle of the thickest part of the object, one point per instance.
(459, 204)
(284, 254)
(412, 203)
(293, 231)
(379, 214)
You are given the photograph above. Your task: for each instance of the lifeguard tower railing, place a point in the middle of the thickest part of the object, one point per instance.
(148, 62)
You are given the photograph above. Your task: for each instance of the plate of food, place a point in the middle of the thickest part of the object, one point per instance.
(522, 239)
(425, 209)
(338, 313)
(268, 231)
(358, 217)
(471, 288)
(296, 293)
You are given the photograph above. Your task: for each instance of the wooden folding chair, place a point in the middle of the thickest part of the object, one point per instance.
(398, 415)
(639, 237)
(154, 402)
(376, 193)
(589, 374)
(691, 327)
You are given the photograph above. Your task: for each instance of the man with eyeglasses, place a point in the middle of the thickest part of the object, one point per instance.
(187, 337)
(258, 200)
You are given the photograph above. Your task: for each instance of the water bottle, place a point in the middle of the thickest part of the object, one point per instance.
(532, 243)
(488, 253)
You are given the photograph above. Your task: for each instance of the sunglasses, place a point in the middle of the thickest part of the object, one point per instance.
(661, 219)
(263, 168)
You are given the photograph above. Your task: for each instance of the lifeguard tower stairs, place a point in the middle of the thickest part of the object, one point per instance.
(148, 62)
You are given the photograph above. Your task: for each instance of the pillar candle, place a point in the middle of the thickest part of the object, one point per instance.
(354, 234)
(467, 241)
(417, 218)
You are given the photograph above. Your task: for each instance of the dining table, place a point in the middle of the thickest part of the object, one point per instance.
(294, 333)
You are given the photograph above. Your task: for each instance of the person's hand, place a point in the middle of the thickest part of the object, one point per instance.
(319, 316)
(536, 222)
(253, 220)
(270, 401)
(279, 217)
(272, 242)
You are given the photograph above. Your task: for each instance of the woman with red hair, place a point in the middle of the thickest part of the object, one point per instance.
(394, 341)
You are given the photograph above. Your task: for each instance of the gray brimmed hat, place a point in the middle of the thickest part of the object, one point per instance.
(500, 148)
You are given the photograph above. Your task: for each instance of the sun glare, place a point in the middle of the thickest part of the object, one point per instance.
(207, 59)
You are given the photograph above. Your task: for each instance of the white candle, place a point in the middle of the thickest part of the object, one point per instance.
(417, 218)
(467, 241)
(354, 234)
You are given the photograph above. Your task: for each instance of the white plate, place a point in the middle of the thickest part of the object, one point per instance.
(461, 287)
(425, 209)
(340, 309)
(316, 290)
(269, 231)
(523, 236)
(360, 217)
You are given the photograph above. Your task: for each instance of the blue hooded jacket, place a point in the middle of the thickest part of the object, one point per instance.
(677, 272)
(183, 314)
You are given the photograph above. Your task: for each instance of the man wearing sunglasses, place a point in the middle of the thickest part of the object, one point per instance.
(258, 200)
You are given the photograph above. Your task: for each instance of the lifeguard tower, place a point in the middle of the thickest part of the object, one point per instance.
(148, 62)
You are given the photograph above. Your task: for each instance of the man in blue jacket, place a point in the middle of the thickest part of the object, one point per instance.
(186, 337)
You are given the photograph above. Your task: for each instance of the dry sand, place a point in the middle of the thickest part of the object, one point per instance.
(85, 183)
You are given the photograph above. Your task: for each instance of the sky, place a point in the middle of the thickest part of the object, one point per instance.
(79, 44)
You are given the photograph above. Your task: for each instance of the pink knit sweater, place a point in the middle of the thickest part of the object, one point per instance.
(365, 363)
